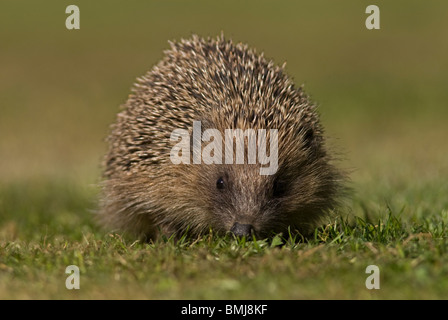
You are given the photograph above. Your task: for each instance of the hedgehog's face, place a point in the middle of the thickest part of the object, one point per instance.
(244, 202)
(238, 199)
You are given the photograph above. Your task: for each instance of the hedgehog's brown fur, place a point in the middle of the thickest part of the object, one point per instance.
(225, 85)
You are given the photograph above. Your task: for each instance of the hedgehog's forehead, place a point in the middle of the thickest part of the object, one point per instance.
(244, 178)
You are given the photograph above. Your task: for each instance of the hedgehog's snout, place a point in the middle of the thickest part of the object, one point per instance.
(242, 230)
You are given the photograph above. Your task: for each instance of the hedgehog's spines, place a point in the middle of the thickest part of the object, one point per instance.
(225, 85)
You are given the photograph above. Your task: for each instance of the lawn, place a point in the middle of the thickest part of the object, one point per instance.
(382, 97)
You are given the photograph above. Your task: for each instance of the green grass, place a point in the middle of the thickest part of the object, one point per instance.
(383, 101)
(38, 243)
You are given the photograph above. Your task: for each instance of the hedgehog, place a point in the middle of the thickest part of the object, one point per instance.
(223, 85)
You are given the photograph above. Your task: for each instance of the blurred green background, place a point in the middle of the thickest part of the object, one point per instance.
(382, 93)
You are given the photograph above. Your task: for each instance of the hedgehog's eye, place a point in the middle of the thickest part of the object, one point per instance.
(279, 188)
(220, 183)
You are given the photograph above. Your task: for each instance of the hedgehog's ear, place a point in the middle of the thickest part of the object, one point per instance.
(308, 138)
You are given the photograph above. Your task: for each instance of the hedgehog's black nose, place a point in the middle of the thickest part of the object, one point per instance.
(242, 230)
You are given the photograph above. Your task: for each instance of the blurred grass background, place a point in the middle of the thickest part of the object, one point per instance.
(383, 94)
